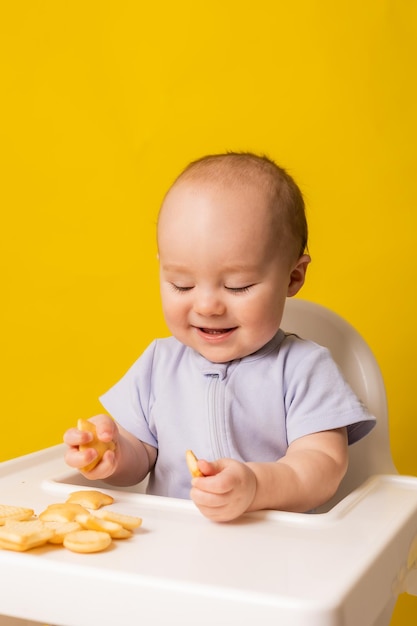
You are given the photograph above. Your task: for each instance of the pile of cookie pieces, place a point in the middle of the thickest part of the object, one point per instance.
(81, 524)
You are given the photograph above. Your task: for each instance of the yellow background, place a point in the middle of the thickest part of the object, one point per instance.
(103, 103)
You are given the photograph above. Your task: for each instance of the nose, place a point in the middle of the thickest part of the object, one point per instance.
(208, 303)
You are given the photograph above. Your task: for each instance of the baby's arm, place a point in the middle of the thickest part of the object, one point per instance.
(128, 464)
(306, 477)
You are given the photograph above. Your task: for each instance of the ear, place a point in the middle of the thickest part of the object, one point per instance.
(298, 275)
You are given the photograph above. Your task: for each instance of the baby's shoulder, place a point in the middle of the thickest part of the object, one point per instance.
(165, 352)
(295, 350)
(303, 355)
(296, 344)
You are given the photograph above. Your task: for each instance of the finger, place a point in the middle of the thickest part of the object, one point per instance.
(77, 458)
(75, 437)
(103, 469)
(216, 484)
(220, 515)
(215, 508)
(107, 464)
(105, 426)
(209, 468)
(207, 499)
(106, 431)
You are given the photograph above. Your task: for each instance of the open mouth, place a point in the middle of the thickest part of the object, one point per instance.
(215, 331)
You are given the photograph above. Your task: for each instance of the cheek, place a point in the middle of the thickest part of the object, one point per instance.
(265, 304)
(266, 309)
(173, 308)
(167, 304)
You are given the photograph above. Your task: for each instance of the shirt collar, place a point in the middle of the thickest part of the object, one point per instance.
(208, 368)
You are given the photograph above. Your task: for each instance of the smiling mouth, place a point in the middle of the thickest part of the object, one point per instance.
(215, 331)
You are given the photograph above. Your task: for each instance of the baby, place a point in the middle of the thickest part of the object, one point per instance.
(268, 414)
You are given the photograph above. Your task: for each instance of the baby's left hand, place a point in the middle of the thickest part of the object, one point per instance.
(226, 490)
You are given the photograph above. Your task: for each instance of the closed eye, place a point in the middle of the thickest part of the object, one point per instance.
(179, 289)
(244, 289)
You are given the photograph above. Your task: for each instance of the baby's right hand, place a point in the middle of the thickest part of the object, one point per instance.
(82, 452)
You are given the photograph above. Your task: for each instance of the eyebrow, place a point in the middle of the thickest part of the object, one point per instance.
(171, 267)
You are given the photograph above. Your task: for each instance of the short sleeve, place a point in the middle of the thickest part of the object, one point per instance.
(129, 399)
(318, 398)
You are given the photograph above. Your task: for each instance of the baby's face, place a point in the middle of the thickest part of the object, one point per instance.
(224, 279)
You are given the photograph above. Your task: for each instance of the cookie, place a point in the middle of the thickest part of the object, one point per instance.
(130, 522)
(191, 459)
(62, 512)
(18, 513)
(24, 535)
(87, 541)
(99, 446)
(90, 499)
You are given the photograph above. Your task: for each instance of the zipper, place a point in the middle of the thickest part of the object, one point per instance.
(215, 404)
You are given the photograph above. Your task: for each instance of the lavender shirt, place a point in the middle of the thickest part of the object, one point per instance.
(249, 409)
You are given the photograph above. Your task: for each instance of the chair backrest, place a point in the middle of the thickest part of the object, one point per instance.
(371, 455)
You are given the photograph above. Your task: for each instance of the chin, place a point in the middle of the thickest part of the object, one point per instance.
(219, 356)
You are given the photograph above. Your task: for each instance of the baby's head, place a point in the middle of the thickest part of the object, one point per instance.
(232, 233)
(240, 171)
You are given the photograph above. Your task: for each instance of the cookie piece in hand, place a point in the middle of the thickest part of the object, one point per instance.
(99, 446)
(191, 459)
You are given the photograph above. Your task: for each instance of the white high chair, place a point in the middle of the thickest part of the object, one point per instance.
(371, 456)
(343, 566)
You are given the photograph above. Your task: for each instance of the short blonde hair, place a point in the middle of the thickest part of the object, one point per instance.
(242, 168)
